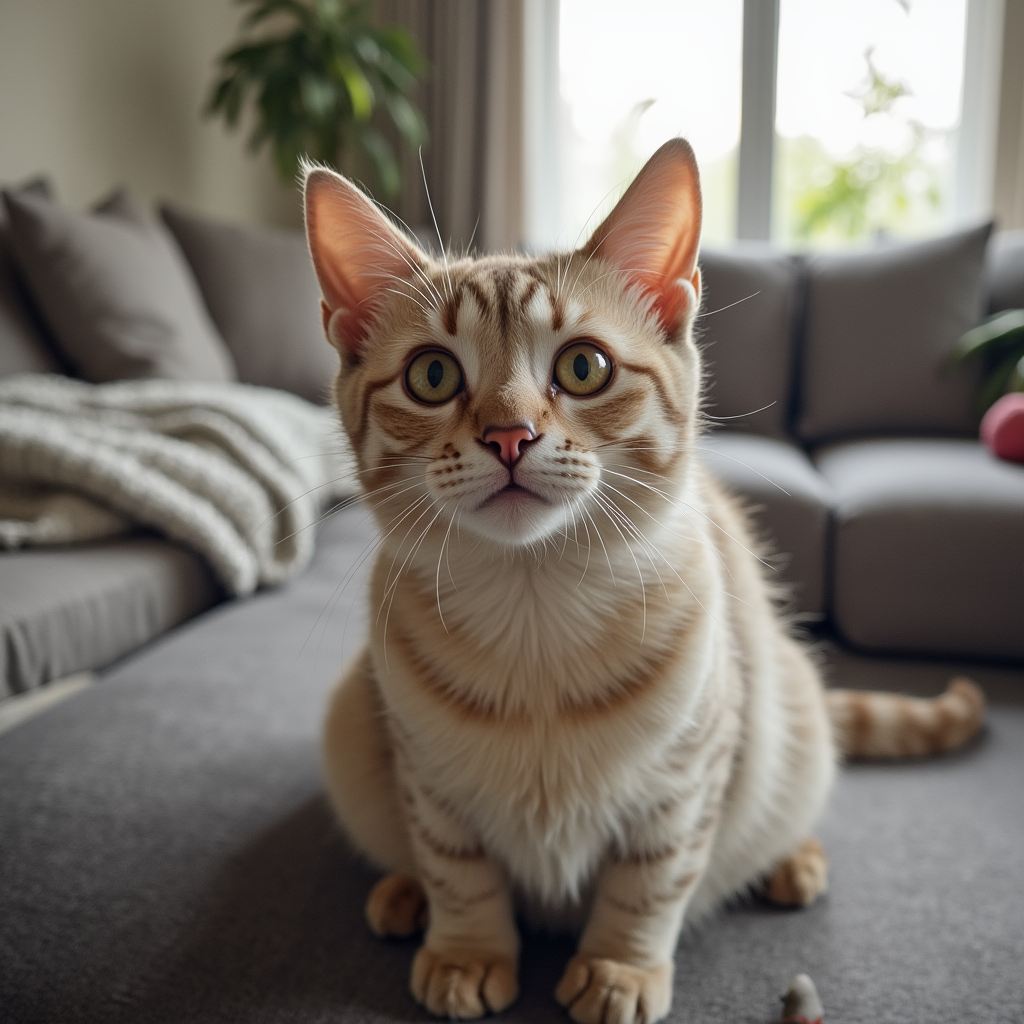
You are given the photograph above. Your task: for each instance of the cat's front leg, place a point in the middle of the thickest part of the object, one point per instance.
(468, 962)
(622, 973)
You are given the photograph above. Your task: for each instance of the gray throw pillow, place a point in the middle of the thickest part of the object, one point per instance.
(745, 329)
(880, 325)
(1005, 271)
(23, 345)
(260, 288)
(115, 291)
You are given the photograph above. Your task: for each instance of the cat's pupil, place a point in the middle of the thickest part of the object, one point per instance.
(581, 366)
(435, 371)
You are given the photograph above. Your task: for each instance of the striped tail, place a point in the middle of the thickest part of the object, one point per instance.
(891, 725)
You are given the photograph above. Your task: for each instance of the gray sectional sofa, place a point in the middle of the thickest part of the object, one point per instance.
(165, 851)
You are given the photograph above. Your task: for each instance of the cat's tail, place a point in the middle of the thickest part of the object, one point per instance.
(872, 724)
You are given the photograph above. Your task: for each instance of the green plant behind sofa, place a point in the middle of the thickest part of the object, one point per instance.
(318, 71)
(999, 341)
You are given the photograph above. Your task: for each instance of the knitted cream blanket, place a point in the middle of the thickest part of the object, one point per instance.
(237, 473)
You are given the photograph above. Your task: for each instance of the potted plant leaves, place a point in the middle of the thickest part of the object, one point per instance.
(999, 343)
(319, 71)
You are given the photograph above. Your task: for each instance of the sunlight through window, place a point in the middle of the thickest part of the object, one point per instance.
(633, 76)
(868, 103)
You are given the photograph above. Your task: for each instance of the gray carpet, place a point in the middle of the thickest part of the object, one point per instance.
(166, 855)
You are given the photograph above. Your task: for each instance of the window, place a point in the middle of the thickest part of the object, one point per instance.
(867, 106)
(863, 134)
(632, 75)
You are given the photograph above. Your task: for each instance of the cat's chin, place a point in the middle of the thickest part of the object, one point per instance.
(514, 516)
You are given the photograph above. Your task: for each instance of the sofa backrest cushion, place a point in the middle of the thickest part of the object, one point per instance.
(23, 346)
(115, 291)
(261, 291)
(880, 325)
(745, 330)
(1005, 271)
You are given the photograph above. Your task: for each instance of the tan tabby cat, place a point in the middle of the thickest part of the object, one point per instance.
(576, 699)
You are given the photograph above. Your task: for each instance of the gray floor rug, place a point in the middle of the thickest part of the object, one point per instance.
(166, 854)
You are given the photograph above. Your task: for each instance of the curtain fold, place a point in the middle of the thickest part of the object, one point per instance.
(472, 100)
(1009, 177)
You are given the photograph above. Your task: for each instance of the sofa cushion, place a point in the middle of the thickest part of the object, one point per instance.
(929, 547)
(790, 504)
(1005, 271)
(23, 346)
(879, 328)
(746, 334)
(116, 292)
(65, 609)
(263, 296)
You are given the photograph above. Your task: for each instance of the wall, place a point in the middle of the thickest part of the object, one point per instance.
(104, 92)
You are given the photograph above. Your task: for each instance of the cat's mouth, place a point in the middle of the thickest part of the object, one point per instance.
(512, 494)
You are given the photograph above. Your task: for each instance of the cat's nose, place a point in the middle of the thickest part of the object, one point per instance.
(507, 443)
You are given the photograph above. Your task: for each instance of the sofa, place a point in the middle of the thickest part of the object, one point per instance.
(165, 849)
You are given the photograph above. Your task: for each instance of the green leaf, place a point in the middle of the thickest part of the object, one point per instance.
(997, 381)
(1002, 331)
(315, 75)
(382, 156)
(402, 47)
(407, 118)
(318, 95)
(360, 91)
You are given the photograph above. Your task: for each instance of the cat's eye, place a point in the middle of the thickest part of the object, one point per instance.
(582, 369)
(434, 377)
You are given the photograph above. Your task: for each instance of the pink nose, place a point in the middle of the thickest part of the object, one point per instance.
(507, 444)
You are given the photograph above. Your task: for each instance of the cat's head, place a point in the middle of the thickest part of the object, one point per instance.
(517, 396)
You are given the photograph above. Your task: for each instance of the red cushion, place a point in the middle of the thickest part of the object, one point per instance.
(1002, 429)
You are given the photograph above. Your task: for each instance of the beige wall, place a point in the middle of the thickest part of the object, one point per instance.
(101, 92)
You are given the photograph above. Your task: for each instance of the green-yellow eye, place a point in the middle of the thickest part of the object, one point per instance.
(582, 369)
(434, 377)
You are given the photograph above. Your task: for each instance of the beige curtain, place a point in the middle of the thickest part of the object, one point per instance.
(1009, 184)
(473, 103)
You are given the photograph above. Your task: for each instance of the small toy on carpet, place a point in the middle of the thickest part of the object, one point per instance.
(800, 1004)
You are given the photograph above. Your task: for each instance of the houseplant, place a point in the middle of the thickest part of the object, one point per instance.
(318, 71)
(999, 342)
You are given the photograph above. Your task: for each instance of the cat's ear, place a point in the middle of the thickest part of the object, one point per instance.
(357, 254)
(653, 234)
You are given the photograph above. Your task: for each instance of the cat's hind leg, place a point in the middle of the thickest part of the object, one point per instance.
(801, 878)
(360, 776)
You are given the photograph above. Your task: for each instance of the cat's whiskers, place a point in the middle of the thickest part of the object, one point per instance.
(611, 571)
(371, 548)
(394, 586)
(411, 264)
(701, 535)
(433, 216)
(689, 589)
(437, 578)
(640, 576)
(398, 550)
(740, 462)
(699, 512)
(385, 275)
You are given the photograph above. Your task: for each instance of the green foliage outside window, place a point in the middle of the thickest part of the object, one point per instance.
(318, 71)
(872, 190)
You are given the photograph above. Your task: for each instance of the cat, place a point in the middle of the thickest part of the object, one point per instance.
(577, 699)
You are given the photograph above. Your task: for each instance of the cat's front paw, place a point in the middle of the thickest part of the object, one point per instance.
(461, 985)
(596, 990)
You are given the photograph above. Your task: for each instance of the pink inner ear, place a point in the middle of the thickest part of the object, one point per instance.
(357, 254)
(653, 234)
